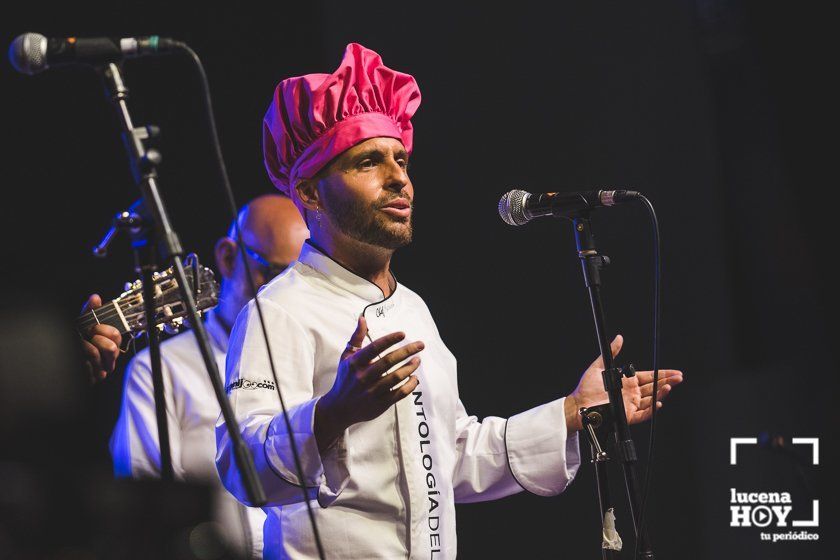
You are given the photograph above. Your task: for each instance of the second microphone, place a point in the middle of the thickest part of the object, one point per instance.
(518, 207)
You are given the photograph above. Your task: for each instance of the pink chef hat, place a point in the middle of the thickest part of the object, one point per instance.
(314, 118)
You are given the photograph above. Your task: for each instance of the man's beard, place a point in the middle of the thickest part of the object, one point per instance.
(366, 223)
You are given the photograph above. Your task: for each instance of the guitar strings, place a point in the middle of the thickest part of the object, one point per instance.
(111, 311)
(110, 314)
(92, 318)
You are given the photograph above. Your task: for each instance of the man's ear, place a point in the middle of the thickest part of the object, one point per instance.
(307, 191)
(226, 253)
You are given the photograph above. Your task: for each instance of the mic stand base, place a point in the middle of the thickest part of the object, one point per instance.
(594, 423)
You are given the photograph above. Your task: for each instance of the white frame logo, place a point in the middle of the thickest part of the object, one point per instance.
(736, 441)
(762, 509)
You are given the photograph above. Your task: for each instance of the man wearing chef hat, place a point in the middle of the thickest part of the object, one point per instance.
(386, 446)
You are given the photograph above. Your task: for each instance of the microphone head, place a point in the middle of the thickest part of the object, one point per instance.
(28, 53)
(512, 208)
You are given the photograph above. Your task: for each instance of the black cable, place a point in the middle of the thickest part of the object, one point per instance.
(214, 137)
(657, 291)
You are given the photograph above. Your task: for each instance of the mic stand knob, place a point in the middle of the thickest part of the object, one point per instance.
(124, 221)
(149, 161)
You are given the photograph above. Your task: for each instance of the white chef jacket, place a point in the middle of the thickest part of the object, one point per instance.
(388, 487)
(192, 410)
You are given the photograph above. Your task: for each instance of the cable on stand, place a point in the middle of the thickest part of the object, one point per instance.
(214, 137)
(605, 422)
(608, 418)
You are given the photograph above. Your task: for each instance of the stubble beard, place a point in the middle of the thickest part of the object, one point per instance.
(368, 224)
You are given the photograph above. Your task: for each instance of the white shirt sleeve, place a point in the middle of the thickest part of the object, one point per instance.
(134, 444)
(256, 405)
(498, 457)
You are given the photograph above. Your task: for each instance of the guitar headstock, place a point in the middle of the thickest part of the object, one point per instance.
(127, 313)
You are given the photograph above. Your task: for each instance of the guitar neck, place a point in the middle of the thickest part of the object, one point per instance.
(127, 313)
(109, 314)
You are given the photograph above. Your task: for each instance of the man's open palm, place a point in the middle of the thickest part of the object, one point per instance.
(636, 391)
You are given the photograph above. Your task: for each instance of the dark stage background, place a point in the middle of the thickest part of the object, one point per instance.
(717, 110)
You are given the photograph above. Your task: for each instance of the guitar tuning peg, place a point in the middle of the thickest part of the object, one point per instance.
(160, 327)
(173, 326)
(155, 275)
(127, 286)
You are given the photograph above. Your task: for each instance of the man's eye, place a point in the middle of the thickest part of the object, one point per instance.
(403, 163)
(366, 163)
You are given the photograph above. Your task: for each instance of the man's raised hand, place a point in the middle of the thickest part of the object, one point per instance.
(636, 391)
(363, 389)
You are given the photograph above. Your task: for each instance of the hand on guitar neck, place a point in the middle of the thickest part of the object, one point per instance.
(101, 344)
(103, 325)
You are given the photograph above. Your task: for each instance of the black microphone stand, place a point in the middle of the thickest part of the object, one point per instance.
(156, 234)
(607, 417)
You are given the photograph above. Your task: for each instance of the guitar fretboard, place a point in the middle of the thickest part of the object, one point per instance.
(127, 314)
(109, 314)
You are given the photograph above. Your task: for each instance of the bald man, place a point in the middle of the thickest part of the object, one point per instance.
(273, 233)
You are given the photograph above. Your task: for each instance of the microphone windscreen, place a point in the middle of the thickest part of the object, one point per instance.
(512, 208)
(28, 53)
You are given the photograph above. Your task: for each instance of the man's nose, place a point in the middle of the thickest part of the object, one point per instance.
(397, 176)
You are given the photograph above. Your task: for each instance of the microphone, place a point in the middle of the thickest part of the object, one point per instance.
(32, 53)
(519, 207)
